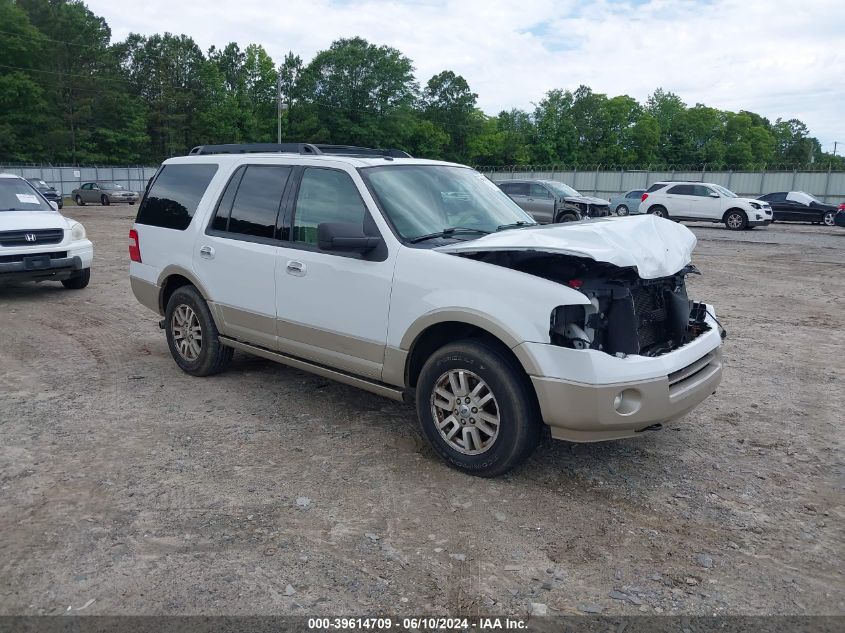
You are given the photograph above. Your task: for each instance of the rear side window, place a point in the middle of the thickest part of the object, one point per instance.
(636, 193)
(682, 190)
(250, 204)
(174, 196)
(516, 189)
(325, 195)
(656, 186)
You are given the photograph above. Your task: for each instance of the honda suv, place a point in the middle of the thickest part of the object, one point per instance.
(37, 243)
(421, 281)
(705, 202)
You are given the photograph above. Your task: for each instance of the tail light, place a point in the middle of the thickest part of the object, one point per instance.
(645, 195)
(842, 207)
(134, 246)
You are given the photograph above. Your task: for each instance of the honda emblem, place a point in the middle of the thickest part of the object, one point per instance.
(29, 237)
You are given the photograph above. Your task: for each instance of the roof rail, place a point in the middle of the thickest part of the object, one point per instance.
(352, 150)
(251, 148)
(297, 148)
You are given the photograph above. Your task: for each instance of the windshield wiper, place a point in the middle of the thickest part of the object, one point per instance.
(448, 232)
(515, 225)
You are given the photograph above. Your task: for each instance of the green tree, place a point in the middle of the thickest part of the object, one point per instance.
(448, 101)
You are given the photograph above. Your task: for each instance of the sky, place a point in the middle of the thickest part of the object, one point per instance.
(776, 58)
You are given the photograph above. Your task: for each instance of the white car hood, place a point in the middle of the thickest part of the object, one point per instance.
(22, 220)
(654, 246)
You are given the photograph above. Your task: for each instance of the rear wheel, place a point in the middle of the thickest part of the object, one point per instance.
(79, 202)
(105, 200)
(475, 407)
(828, 218)
(79, 280)
(621, 210)
(192, 337)
(736, 220)
(659, 211)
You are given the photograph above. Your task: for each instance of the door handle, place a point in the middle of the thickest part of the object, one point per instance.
(296, 268)
(206, 252)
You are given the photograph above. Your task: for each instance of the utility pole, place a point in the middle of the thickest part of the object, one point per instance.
(835, 143)
(279, 106)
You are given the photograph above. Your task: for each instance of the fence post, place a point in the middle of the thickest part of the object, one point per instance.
(794, 176)
(730, 178)
(827, 183)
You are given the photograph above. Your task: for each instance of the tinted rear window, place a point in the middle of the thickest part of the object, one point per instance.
(655, 187)
(174, 196)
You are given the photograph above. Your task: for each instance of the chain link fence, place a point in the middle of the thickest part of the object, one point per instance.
(827, 186)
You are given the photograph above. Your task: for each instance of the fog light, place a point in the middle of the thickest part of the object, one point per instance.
(627, 402)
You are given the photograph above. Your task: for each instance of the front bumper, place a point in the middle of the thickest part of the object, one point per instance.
(36, 264)
(120, 198)
(590, 396)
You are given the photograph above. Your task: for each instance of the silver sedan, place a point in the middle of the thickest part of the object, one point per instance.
(627, 203)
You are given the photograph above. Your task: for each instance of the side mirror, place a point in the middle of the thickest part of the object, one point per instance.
(713, 194)
(345, 236)
(54, 205)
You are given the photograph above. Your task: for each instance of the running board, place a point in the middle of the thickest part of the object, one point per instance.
(378, 388)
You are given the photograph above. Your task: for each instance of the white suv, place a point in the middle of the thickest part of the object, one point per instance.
(37, 243)
(705, 202)
(421, 281)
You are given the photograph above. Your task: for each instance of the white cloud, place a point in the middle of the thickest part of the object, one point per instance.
(777, 58)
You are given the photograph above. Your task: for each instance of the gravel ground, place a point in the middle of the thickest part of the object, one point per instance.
(128, 487)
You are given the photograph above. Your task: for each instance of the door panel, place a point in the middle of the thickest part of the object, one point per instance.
(701, 205)
(541, 204)
(332, 307)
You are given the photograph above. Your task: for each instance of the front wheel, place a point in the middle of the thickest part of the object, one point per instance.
(105, 201)
(192, 337)
(566, 217)
(736, 220)
(476, 408)
(79, 280)
(621, 210)
(828, 218)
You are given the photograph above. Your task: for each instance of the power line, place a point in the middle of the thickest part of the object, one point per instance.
(26, 37)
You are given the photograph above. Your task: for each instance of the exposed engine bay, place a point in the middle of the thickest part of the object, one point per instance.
(626, 314)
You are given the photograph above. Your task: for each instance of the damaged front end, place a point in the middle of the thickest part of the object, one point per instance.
(626, 314)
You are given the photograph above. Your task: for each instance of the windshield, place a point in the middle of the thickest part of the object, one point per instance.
(18, 195)
(561, 189)
(421, 200)
(725, 192)
(110, 185)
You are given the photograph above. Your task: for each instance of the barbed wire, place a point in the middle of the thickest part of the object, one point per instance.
(664, 167)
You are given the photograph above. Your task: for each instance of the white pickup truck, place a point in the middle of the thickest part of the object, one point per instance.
(422, 281)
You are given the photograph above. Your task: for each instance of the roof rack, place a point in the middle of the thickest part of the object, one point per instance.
(297, 148)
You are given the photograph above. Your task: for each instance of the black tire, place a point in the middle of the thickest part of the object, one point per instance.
(60, 204)
(621, 210)
(79, 201)
(78, 281)
(104, 200)
(660, 211)
(519, 420)
(566, 217)
(213, 356)
(735, 220)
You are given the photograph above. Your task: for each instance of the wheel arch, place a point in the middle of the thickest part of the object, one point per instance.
(727, 211)
(171, 279)
(430, 334)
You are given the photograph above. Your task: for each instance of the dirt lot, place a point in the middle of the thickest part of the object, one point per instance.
(266, 490)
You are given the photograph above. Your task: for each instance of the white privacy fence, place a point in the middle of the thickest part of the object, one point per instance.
(66, 179)
(828, 186)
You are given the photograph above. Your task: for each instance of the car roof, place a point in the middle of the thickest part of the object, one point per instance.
(287, 158)
(12, 176)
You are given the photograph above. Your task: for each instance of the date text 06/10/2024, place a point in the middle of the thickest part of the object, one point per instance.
(421, 623)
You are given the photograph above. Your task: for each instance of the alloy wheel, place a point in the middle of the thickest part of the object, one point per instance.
(465, 411)
(828, 218)
(735, 221)
(187, 333)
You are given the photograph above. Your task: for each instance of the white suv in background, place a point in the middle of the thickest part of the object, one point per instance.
(705, 202)
(37, 243)
(422, 281)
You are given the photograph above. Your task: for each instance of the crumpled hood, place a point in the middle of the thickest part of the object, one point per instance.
(654, 246)
(587, 200)
(22, 220)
